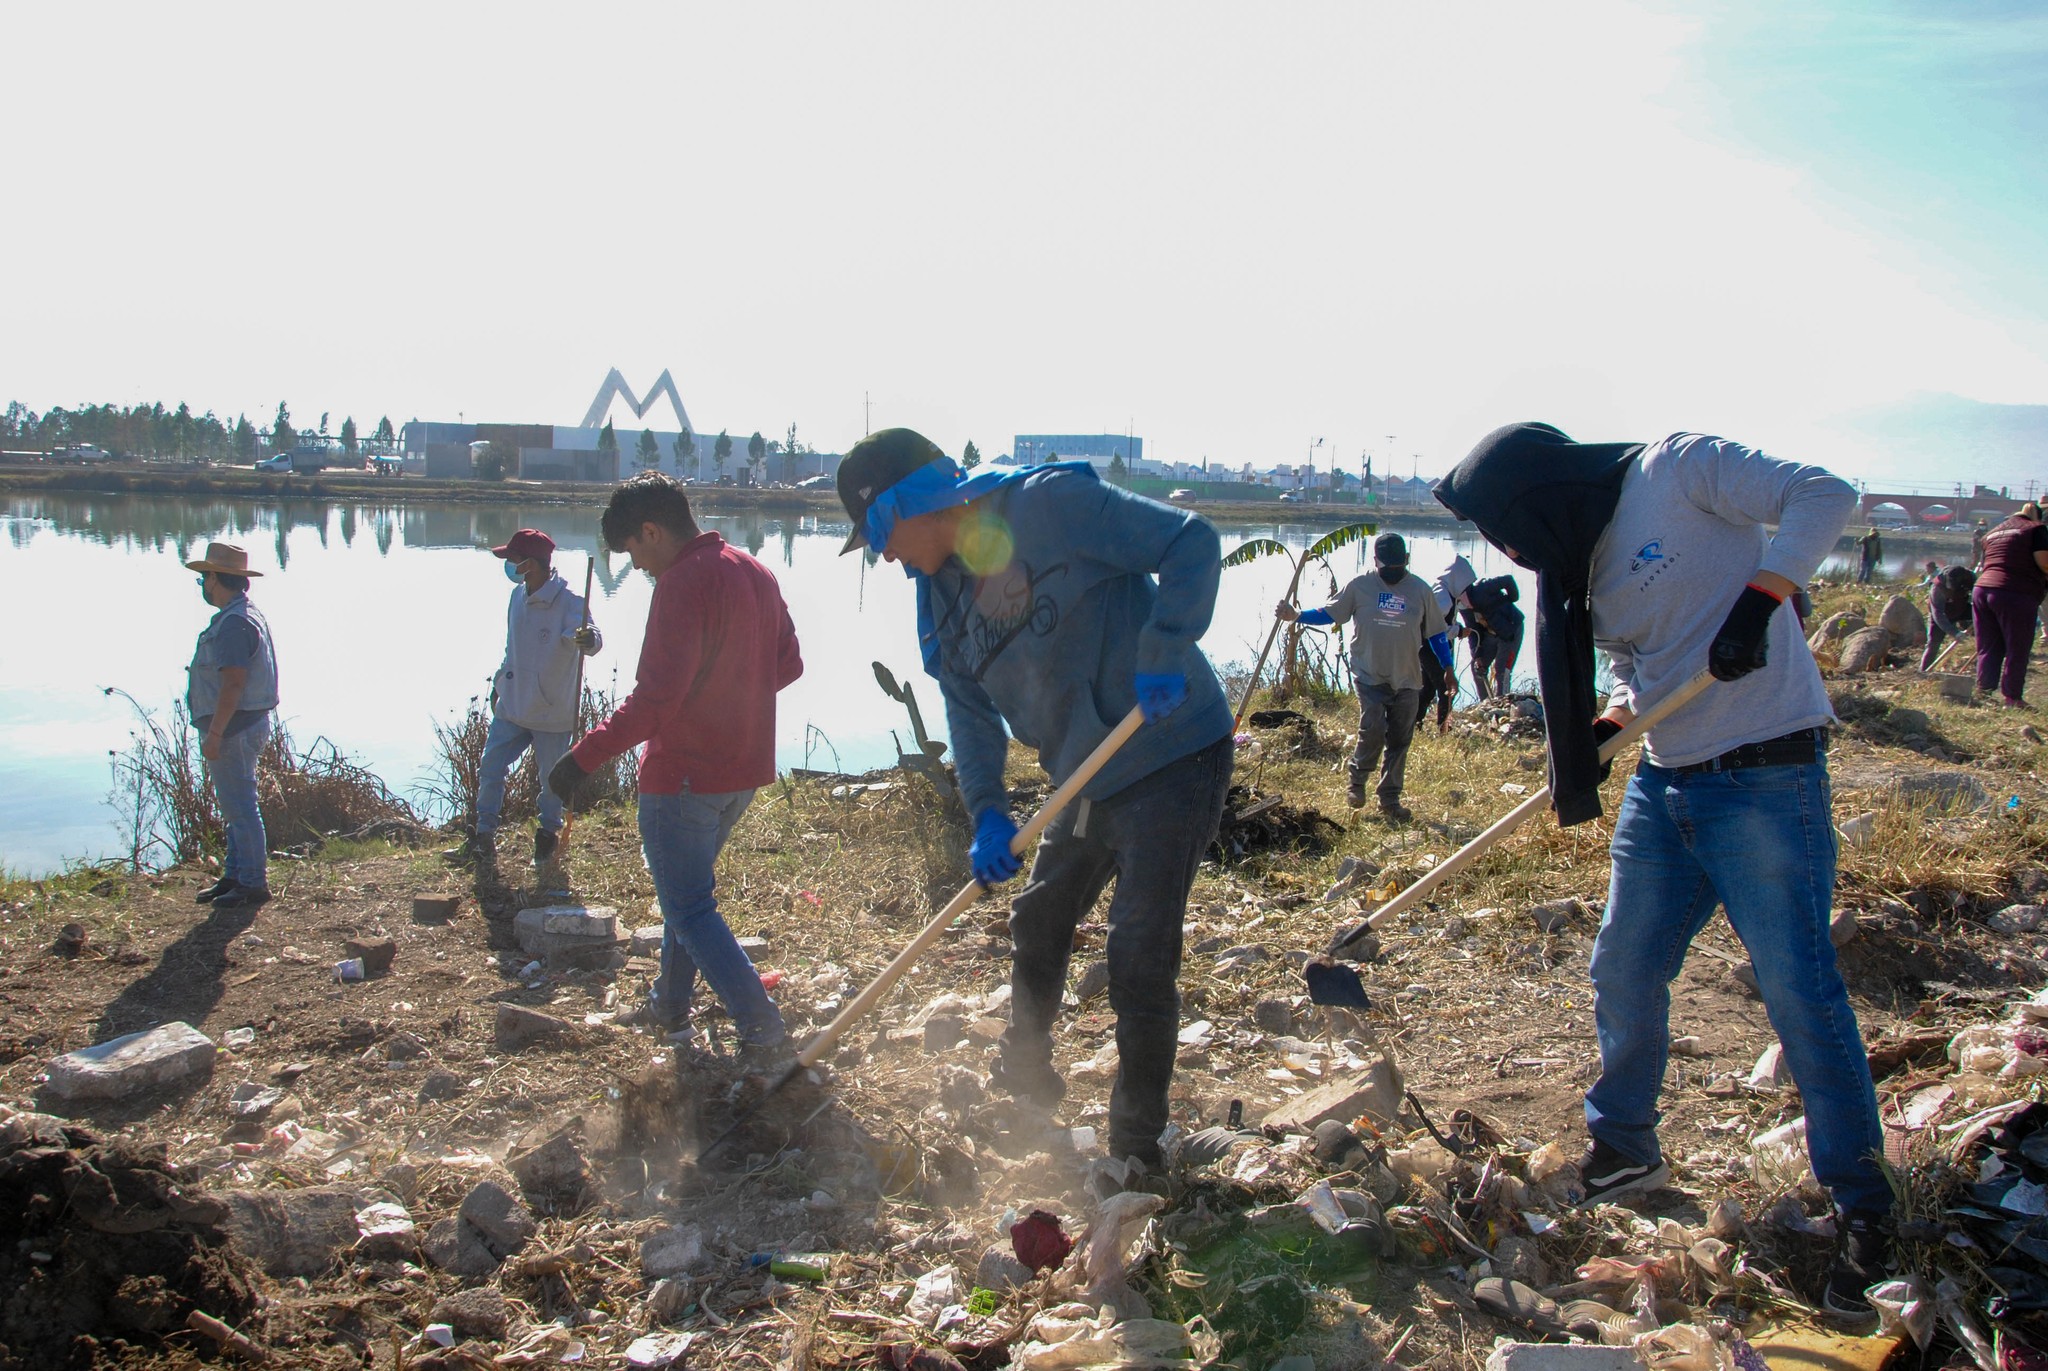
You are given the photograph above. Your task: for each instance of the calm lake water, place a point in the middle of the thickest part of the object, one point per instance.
(389, 618)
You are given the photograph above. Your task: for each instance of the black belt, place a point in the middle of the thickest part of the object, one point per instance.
(1803, 748)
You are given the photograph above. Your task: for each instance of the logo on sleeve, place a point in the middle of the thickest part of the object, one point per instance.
(1652, 551)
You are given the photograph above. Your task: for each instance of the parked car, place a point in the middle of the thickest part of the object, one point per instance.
(818, 483)
(1182, 494)
(281, 462)
(1291, 496)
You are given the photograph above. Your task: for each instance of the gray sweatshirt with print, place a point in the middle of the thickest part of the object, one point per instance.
(1688, 533)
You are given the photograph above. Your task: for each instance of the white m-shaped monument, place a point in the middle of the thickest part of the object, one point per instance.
(615, 387)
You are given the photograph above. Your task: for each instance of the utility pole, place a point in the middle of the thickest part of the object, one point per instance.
(867, 418)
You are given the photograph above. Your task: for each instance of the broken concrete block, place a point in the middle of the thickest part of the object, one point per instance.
(671, 1251)
(647, 941)
(2018, 918)
(1770, 1071)
(1376, 1091)
(294, 1232)
(570, 935)
(1273, 1016)
(131, 1064)
(550, 1167)
(387, 1233)
(520, 1027)
(480, 1312)
(435, 909)
(377, 954)
(490, 1226)
(1551, 1356)
(1948, 791)
(1842, 927)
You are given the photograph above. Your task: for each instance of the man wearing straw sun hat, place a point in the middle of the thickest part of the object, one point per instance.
(230, 691)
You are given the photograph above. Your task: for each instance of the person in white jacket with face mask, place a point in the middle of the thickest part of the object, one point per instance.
(533, 700)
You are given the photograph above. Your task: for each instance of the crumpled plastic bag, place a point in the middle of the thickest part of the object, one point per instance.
(936, 1291)
(1902, 1305)
(1071, 1337)
(1113, 1242)
(1689, 1347)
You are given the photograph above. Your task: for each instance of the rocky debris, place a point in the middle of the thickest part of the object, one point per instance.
(2018, 918)
(1902, 619)
(571, 936)
(1867, 649)
(435, 909)
(294, 1232)
(489, 1227)
(440, 1084)
(1842, 927)
(1836, 627)
(480, 1312)
(376, 954)
(1557, 916)
(999, 1269)
(1551, 1356)
(104, 1242)
(550, 1167)
(647, 941)
(1944, 791)
(1375, 1092)
(1094, 981)
(520, 1027)
(132, 1064)
(387, 1233)
(671, 1251)
(1273, 1016)
(70, 941)
(1267, 823)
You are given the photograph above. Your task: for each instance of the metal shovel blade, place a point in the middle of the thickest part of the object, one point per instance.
(1334, 983)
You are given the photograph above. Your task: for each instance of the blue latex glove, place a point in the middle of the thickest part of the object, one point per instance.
(1159, 695)
(990, 857)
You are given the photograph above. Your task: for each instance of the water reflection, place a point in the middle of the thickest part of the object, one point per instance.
(381, 635)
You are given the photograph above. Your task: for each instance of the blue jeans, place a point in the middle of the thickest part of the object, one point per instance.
(1761, 842)
(1151, 836)
(502, 746)
(681, 836)
(233, 773)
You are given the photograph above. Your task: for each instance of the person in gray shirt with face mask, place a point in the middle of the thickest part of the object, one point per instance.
(1396, 614)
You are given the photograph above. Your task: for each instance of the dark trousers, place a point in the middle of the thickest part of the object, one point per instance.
(1151, 835)
(2005, 635)
(1439, 688)
(1386, 720)
(1938, 627)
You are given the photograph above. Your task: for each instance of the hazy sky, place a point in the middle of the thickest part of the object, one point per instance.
(1237, 227)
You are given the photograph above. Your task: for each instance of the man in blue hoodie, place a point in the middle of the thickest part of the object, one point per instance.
(1037, 609)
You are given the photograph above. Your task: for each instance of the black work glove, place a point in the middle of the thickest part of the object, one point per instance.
(566, 777)
(1603, 729)
(1739, 648)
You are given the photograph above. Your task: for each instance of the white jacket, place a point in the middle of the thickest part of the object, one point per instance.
(536, 683)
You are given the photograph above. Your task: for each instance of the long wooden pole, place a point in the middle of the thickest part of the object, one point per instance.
(828, 1037)
(576, 720)
(1520, 814)
(1251, 685)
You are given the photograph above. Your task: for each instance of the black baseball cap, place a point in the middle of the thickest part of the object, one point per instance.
(1389, 549)
(877, 462)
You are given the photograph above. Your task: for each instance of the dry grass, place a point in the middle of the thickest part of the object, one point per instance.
(449, 793)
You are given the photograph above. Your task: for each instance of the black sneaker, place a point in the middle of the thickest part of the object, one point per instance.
(1861, 1259)
(1036, 1084)
(545, 841)
(480, 849)
(242, 897)
(1605, 1176)
(1394, 812)
(213, 892)
(1355, 795)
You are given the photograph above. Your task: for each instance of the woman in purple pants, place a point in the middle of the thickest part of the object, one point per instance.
(2007, 602)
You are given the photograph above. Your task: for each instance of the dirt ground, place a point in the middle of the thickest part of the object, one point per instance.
(901, 1161)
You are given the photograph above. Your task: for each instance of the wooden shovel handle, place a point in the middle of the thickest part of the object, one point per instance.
(828, 1037)
(1516, 817)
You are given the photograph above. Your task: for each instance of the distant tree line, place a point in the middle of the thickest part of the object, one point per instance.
(153, 431)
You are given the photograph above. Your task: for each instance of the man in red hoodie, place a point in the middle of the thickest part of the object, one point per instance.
(719, 644)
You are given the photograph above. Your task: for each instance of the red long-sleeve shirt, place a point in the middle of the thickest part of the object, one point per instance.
(719, 645)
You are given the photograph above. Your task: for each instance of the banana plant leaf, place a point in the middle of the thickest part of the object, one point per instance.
(1255, 549)
(1336, 539)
